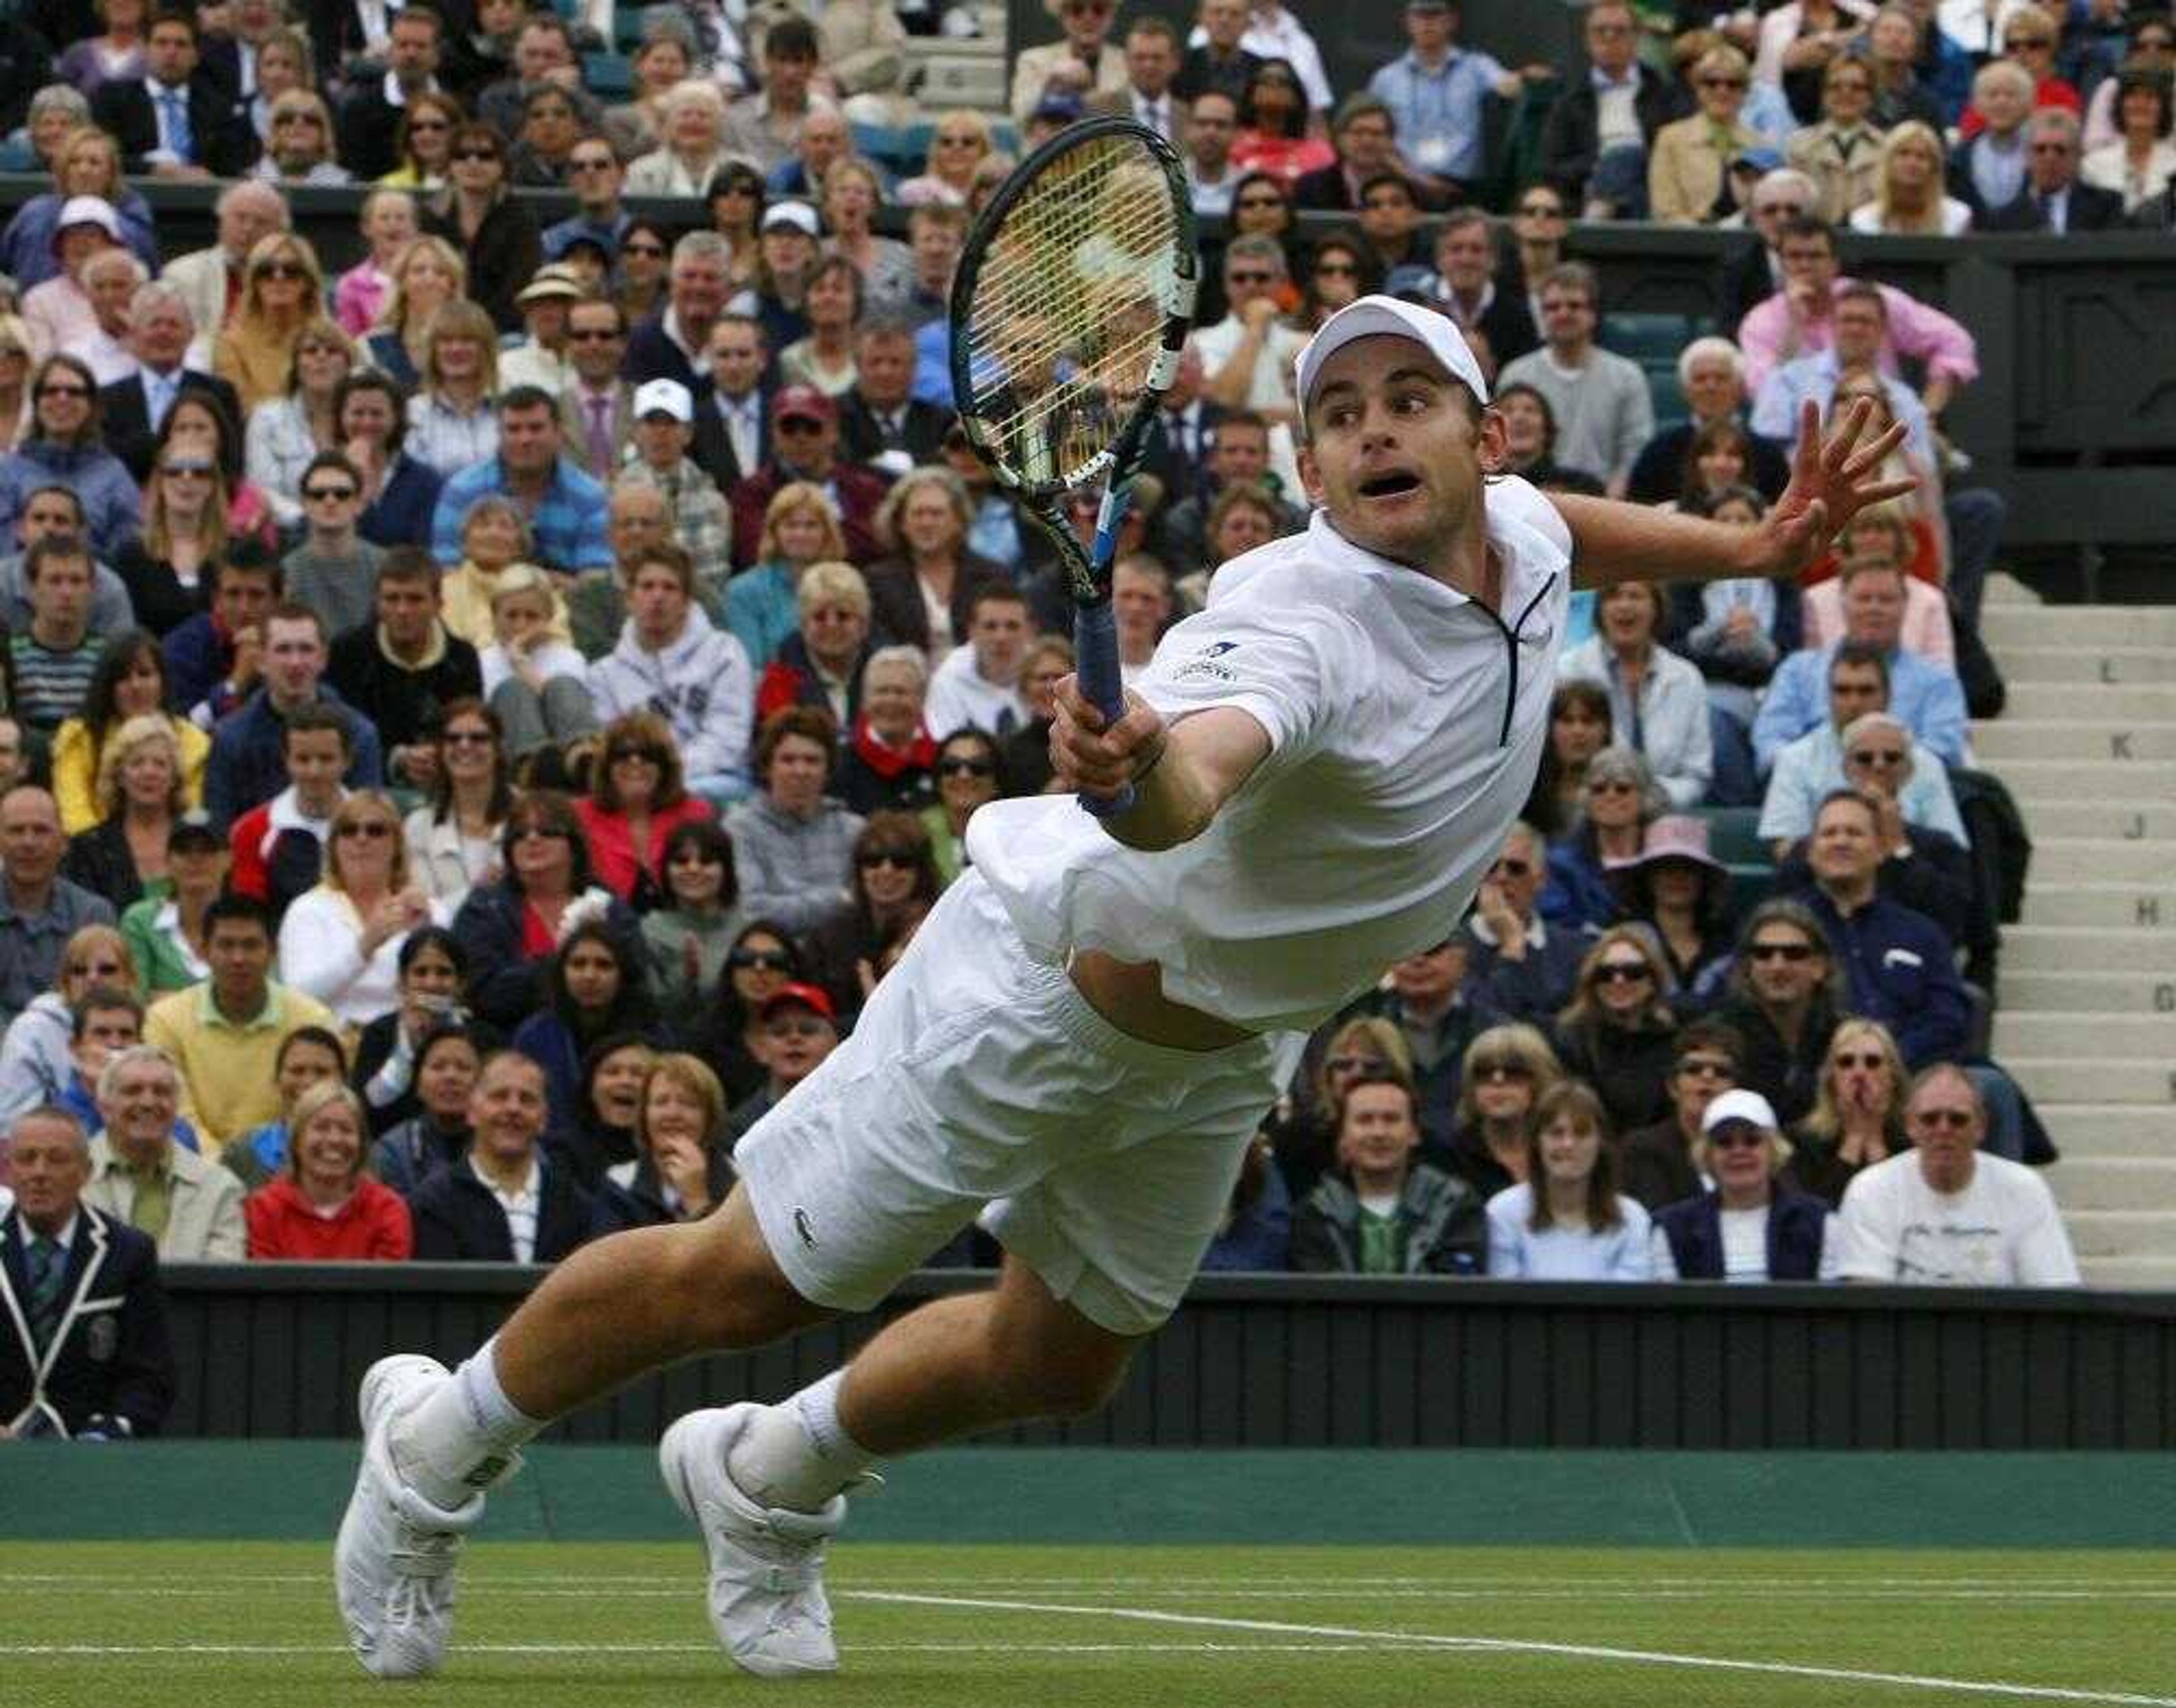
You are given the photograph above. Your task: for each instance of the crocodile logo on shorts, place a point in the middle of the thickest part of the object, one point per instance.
(801, 1227)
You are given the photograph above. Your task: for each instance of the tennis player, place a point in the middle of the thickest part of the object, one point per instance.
(1087, 1030)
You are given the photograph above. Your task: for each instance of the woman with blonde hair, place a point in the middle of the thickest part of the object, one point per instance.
(691, 146)
(451, 422)
(387, 220)
(86, 163)
(284, 290)
(1688, 173)
(340, 942)
(141, 790)
(1618, 1032)
(283, 62)
(1909, 198)
(1566, 1220)
(681, 1171)
(661, 64)
(1505, 1069)
(425, 276)
(286, 432)
(301, 147)
(1302, 1128)
(494, 537)
(423, 142)
(763, 607)
(130, 683)
(323, 1206)
(167, 570)
(1858, 1116)
(821, 662)
(957, 144)
(36, 1064)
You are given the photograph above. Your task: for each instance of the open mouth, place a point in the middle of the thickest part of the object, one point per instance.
(1394, 485)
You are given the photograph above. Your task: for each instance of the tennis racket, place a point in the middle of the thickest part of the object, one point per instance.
(1073, 300)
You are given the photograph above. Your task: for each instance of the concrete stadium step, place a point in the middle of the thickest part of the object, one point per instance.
(2073, 738)
(2099, 1233)
(2115, 821)
(2134, 1272)
(2092, 1131)
(2030, 701)
(2083, 992)
(2106, 907)
(2052, 1081)
(2029, 949)
(2033, 781)
(973, 78)
(2148, 1037)
(2106, 666)
(2004, 626)
(2061, 858)
(2114, 1183)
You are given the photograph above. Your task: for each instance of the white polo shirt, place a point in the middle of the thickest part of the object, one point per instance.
(1405, 723)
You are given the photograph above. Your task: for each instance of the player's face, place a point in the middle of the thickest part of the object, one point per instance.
(1394, 454)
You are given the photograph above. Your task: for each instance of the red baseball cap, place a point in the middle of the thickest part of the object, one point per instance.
(804, 402)
(797, 996)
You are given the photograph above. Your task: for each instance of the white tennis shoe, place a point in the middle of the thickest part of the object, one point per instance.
(767, 1601)
(393, 1562)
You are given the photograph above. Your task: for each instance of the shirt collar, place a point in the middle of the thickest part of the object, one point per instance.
(208, 1011)
(63, 1236)
(433, 652)
(1601, 80)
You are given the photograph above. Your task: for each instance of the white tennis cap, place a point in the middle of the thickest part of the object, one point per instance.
(1749, 1107)
(1373, 316)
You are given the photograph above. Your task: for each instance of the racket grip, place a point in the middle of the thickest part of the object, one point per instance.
(1095, 661)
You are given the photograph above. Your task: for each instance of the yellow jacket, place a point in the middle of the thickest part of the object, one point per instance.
(75, 770)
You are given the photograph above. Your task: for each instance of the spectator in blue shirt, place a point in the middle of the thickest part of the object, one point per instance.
(565, 507)
(1436, 91)
(1926, 697)
(247, 766)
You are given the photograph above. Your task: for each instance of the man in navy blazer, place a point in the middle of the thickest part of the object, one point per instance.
(216, 140)
(2052, 199)
(83, 1349)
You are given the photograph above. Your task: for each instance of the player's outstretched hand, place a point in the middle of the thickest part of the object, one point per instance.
(1088, 756)
(1832, 480)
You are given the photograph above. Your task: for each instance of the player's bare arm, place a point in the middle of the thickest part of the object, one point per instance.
(1832, 480)
(1182, 773)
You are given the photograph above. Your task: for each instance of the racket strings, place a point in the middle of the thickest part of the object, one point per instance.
(1069, 308)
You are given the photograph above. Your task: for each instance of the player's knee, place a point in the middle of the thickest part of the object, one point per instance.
(1075, 1387)
(728, 1294)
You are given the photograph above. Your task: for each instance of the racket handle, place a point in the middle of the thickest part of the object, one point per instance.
(1095, 661)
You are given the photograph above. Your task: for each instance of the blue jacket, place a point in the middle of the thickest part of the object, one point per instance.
(1903, 973)
(1693, 1227)
(248, 769)
(26, 247)
(401, 515)
(1925, 697)
(568, 526)
(197, 662)
(505, 984)
(110, 1368)
(112, 506)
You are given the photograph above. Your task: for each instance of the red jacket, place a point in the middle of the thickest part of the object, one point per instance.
(371, 1227)
(611, 844)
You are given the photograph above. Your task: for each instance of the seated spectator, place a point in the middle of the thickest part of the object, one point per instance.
(550, 129)
(510, 926)
(1842, 155)
(452, 426)
(86, 161)
(279, 845)
(387, 219)
(166, 936)
(881, 422)
(537, 685)
(60, 314)
(1256, 1235)
(507, 1199)
(324, 1207)
(427, 276)
(311, 1056)
(1755, 272)
(62, 448)
(1924, 696)
(97, 1375)
(334, 570)
(1943, 1214)
(1858, 1116)
(822, 664)
(1603, 414)
(670, 662)
(288, 433)
(187, 1205)
(1302, 1128)
(597, 989)
(1238, 456)
(36, 1055)
(776, 298)
(1750, 1227)
(1426, 1000)
(882, 282)
(1652, 691)
(959, 139)
(1247, 356)
(400, 491)
(341, 942)
(1908, 56)
(1621, 799)
(1906, 197)
(1618, 1033)
(1783, 996)
(894, 881)
(422, 149)
(2139, 163)
(637, 800)
(1812, 767)
(1465, 286)
(1688, 182)
(800, 528)
(1661, 1163)
(495, 547)
(1736, 631)
(1694, 457)
(1340, 268)
(1579, 729)
(596, 406)
(729, 1035)
(249, 762)
(492, 229)
(690, 932)
(564, 507)
(199, 424)
(796, 1031)
(1518, 966)
(453, 837)
(1596, 139)
(107, 1018)
(1024, 760)
(186, 506)
(430, 971)
(793, 841)
(1565, 1221)
(129, 683)
(1681, 893)
(1383, 1212)
(2029, 37)
(40, 911)
(2053, 197)
(401, 670)
(58, 510)
(1273, 135)
(141, 796)
(681, 1171)
(1504, 1071)
(804, 445)
(254, 352)
(444, 1077)
(889, 762)
(978, 684)
(664, 417)
(969, 770)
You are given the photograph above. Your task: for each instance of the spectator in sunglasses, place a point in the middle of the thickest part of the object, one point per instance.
(1302, 1128)
(1785, 995)
(1520, 966)
(970, 775)
(1857, 1117)
(284, 293)
(894, 881)
(1751, 1226)
(1661, 1160)
(763, 958)
(493, 229)
(1618, 1032)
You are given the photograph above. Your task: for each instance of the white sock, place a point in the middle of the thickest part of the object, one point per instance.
(460, 1439)
(797, 1454)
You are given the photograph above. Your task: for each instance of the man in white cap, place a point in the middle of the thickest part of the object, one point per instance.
(542, 359)
(702, 522)
(59, 311)
(1080, 1040)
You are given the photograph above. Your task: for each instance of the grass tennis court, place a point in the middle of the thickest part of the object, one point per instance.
(589, 1625)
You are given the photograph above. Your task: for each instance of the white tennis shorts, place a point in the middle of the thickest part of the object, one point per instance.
(980, 1082)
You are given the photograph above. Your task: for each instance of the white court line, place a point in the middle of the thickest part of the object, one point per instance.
(228, 1651)
(1584, 1652)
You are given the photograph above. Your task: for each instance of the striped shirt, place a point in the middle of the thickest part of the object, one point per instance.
(50, 685)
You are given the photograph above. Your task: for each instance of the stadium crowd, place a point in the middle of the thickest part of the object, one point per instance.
(479, 723)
